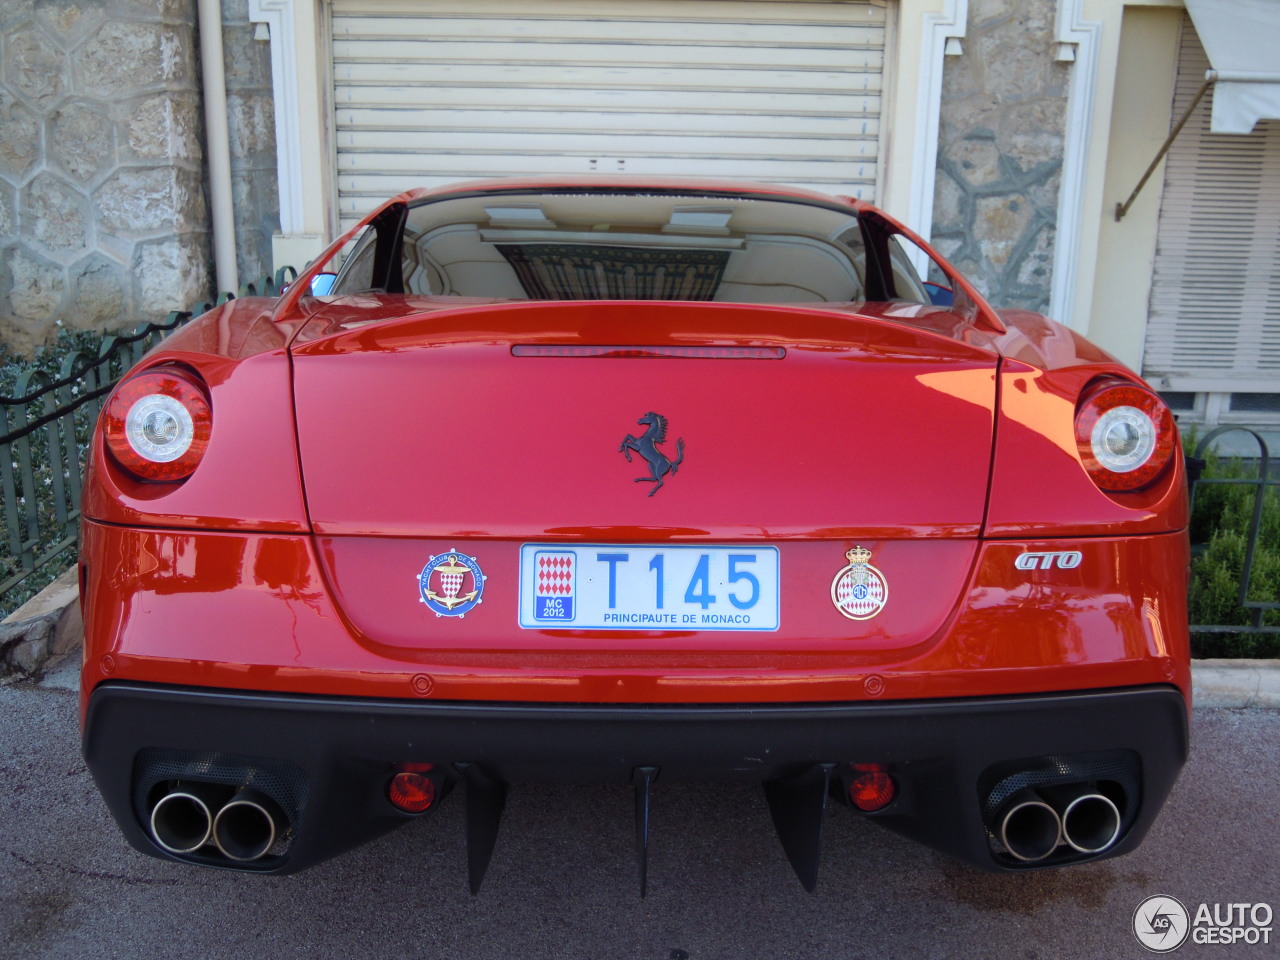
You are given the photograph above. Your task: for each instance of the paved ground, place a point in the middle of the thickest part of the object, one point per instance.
(562, 883)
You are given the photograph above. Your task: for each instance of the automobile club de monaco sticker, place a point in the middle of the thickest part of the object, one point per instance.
(859, 590)
(451, 584)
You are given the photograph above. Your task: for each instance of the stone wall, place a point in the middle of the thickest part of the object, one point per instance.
(103, 221)
(1000, 146)
(102, 204)
(251, 115)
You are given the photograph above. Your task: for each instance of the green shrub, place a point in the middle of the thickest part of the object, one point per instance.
(1221, 517)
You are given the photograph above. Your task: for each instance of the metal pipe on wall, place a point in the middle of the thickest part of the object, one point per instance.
(217, 143)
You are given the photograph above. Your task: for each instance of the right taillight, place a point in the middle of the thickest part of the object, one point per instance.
(157, 424)
(1126, 435)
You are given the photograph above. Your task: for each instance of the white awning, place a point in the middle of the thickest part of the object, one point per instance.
(1242, 38)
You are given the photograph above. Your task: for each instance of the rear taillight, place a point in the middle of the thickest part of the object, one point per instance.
(1126, 435)
(157, 424)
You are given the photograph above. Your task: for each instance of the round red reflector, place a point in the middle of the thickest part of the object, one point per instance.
(411, 792)
(157, 424)
(872, 791)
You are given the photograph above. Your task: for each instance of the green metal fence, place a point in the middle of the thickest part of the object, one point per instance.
(45, 423)
(1236, 521)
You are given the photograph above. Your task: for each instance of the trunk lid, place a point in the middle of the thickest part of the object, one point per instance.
(497, 422)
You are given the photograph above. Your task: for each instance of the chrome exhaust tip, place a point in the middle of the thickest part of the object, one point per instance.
(247, 826)
(1091, 823)
(1030, 830)
(181, 821)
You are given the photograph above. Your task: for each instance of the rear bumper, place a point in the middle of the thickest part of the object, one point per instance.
(255, 611)
(330, 759)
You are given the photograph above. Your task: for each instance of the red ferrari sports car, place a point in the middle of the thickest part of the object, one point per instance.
(634, 481)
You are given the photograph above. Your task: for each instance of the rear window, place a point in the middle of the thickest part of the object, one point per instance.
(628, 246)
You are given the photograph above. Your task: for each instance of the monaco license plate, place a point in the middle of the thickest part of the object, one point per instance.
(643, 587)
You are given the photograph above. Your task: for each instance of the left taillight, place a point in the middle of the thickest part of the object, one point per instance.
(157, 424)
(1126, 435)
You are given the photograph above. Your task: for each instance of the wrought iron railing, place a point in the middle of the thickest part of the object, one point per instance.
(44, 432)
(1254, 608)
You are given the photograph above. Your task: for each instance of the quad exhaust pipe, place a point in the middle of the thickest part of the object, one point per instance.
(1090, 823)
(247, 826)
(1035, 823)
(243, 826)
(1031, 829)
(181, 821)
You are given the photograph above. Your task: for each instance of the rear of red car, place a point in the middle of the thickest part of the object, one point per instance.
(704, 487)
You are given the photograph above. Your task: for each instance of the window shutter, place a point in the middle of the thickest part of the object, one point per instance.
(1214, 320)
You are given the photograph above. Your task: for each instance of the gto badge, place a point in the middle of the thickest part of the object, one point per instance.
(1062, 559)
(859, 590)
(647, 447)
(451, 584)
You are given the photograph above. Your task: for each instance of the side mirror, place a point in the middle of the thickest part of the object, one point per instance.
(939, 295)
(322, 283)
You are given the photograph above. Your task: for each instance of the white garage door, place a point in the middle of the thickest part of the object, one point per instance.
(426, 93)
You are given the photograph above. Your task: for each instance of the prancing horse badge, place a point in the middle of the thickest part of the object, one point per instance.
(647, 447)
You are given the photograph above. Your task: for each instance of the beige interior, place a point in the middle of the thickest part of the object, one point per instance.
(776, 252)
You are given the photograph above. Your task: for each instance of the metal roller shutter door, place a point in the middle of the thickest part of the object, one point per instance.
(1214, 321)
(428, 93)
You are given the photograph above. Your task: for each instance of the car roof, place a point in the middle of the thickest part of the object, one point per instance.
(626, 182)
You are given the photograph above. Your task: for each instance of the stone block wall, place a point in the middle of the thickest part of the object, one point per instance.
(102, 204)
(1000, 149)
(103, 222)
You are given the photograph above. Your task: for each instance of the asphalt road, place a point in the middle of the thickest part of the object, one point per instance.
(562, 883)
